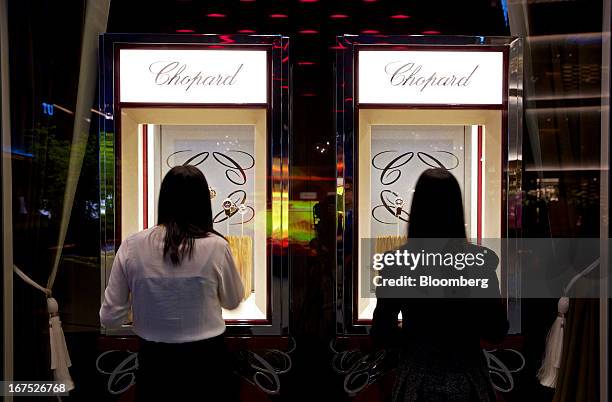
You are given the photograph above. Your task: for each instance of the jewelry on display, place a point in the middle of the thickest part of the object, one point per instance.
(229, 207)
(243, 210)
(399, 205)
(213, 192)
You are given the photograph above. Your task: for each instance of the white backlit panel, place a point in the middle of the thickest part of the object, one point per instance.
(197, 76)
(430, 77)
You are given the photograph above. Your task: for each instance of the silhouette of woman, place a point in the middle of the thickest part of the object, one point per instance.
(440, 332)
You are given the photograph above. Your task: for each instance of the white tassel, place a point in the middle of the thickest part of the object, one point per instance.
(60, 359)
(554, 347)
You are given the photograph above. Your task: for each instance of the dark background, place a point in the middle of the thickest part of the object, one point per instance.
(560, 150)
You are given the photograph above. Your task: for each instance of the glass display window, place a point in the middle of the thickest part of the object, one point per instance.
(396, 146)
(223, 111)
(411, 104)
(229, 147)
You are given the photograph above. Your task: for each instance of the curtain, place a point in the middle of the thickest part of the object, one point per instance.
(578, 379)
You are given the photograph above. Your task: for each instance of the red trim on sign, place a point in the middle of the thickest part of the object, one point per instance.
(145, 177)
(479, 203)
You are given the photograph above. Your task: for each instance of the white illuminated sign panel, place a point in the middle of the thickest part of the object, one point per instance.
(193, 76)
(431, 77)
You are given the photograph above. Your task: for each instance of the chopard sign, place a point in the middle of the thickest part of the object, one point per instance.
(180, 74)
(430, 77)
(193, 76)
(411, 75)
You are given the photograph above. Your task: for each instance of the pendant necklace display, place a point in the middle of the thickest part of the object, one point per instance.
(242, 209)
(399, 205)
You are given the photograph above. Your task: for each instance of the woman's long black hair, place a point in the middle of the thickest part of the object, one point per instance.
(437, 207)
(184, 210)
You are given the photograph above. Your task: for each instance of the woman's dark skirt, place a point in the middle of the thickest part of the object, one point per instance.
(191, 371)
(428, 374)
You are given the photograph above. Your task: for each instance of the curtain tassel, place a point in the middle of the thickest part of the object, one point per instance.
(60, 359)
(547, 374)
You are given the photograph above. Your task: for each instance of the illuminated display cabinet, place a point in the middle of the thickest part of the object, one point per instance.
(413, 103)
(219, 103)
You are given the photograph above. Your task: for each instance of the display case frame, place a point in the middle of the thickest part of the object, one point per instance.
(275, 110)
(348, 108)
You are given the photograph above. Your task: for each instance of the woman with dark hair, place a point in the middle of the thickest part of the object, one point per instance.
(439, 339)
(179, 274)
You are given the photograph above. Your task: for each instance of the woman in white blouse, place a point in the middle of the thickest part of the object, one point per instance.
(180, 274)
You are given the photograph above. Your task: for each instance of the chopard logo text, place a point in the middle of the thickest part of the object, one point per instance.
(409, 74)
(177, 74)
